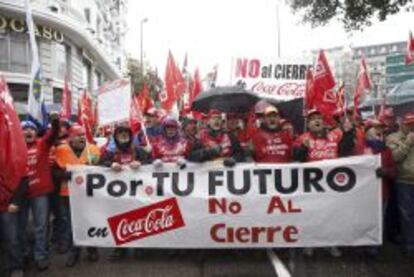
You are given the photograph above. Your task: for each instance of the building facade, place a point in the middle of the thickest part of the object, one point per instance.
(384, 61)
(80, 39)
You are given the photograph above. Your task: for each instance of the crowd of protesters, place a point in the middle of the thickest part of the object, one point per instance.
(263, 136)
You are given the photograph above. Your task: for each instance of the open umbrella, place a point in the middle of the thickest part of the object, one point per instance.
(231, 99)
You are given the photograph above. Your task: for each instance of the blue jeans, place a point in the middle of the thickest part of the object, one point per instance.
(11, 230)
(405, 195)
(39, 206)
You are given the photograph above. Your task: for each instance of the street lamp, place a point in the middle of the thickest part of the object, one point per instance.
(144, 20)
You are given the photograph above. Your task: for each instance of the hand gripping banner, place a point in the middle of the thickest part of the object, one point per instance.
(327, 203)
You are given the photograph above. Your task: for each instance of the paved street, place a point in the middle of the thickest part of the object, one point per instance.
(221, 263)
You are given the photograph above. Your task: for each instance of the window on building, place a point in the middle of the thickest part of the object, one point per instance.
(19, 92)
(87, 75)
(57, 95)
(60, 61)
(4, 52)
(19, 56)
(68, 60)
(87, 13)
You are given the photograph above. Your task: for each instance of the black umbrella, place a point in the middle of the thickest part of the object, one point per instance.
(232, 99)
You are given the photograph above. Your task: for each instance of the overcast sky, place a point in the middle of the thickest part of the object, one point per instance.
(215, 31)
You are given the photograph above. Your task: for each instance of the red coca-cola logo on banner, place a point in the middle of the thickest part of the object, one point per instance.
(288, 90)
(147, 221)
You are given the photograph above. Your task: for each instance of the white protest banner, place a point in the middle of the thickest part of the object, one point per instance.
(327, 203)
(114, 101)
(278, 79)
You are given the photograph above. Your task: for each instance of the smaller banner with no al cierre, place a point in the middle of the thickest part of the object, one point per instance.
(318, 204)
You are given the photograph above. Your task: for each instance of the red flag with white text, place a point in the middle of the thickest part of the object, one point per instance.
(174, 84)
(13, 149)
(85, 114)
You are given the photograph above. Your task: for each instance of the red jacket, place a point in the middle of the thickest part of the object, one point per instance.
(223, 140)
(321, 148)
(170, 150)
(39, 173)
(272, 147)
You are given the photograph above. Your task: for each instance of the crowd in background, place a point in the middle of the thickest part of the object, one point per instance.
(261, 136)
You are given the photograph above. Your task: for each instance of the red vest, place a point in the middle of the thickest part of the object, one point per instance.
(272, 147)
(321, 148)
(40, 182)
(170, 152)
(223, 140)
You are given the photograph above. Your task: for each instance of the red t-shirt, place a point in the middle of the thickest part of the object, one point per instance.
(321, 148)
(272, 147)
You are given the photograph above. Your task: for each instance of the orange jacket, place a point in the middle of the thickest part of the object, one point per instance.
(65, 156)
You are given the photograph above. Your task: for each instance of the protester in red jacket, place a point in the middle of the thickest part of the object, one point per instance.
(171, 146)
(218, 144)
(321, 144)
(272, 144)
(40, 185)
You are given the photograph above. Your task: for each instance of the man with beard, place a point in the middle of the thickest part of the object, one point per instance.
(391, 125)
(272, 144)
(75, 152)
(40, 186)
(217, 144)
(190, 129)
(320, 144)
(171, 147)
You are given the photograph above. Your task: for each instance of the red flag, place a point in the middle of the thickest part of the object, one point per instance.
(66, 105)
(144, 100)
(174, 84)
(13, 153)
(409, 50)
(85, 114)
(308, 98)
(196, 87)
(364, 83)
(323, 83)
(340, 97)
(135, 115)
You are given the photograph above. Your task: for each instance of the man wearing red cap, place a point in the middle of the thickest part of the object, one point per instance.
(75, 152)
(402, 147)
(271, 144)
(320, 144)
(217, 144)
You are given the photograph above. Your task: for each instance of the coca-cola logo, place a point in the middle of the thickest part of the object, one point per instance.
(286, 90)
(147, 221)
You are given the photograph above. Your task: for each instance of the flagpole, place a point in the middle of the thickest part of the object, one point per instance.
(278, 28)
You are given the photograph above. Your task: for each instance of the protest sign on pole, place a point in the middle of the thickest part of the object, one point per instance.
(281, 79)
(317, 204)
(114, 102)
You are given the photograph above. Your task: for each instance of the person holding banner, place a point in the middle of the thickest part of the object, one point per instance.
(320, 144)
(272, 144)
(125, 153)
(218, 144)
(402, 147)
(75, 152)
(40, 186)
(171, 147)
